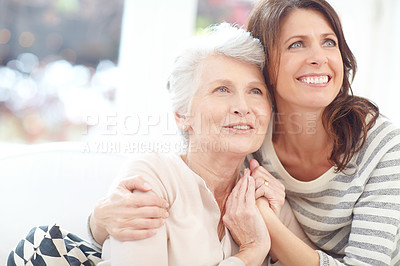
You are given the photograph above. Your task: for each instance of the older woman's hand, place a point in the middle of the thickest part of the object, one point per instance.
(244, 221)
(268, 186)
(128, 216)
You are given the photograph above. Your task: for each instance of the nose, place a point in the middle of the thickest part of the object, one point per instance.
(317, 56)
(240, 106)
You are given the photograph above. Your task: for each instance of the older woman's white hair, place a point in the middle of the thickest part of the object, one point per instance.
(222, 39)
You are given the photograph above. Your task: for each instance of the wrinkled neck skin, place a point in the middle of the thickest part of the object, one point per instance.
(219, 170)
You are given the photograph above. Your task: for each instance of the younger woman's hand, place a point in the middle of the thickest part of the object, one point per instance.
(268, 186)
(126, 215)
(245, 222)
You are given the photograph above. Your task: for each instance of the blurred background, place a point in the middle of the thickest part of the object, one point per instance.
(73, 70)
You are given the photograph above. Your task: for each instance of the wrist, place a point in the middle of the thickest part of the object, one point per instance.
(91, 236)
(98, 233)
(253, 255)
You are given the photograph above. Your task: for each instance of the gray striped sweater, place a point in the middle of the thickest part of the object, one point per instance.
(352, 216)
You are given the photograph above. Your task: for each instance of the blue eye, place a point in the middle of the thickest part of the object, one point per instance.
(296, 45)
(221, 89)
(330, 43)
(256, 91)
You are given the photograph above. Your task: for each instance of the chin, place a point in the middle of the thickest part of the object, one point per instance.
(242, 148)
(237, 145)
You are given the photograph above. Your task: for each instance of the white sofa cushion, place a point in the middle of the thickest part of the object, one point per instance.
(50, 183)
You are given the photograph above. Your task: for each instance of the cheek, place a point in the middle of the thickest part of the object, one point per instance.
(265, 108)
(287, 68)
(339, 73)
(263, 115)
(207, 116)
(337, 62)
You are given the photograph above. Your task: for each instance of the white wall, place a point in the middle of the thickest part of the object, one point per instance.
(372, 30)
(153, 29)
(151, 32)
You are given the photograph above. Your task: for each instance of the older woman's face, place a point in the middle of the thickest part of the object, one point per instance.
(230, 110)
(310, 72)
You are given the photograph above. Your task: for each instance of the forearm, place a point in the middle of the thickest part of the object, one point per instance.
(98, 233)
(149, 251)
(286, 246)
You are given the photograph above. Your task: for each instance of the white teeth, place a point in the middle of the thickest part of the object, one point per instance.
(315, 80)
(241, 127)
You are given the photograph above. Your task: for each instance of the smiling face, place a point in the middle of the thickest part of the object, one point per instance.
(230, 110)
(310, 72)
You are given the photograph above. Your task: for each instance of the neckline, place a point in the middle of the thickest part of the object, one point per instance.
(202, 183)
(291, 182)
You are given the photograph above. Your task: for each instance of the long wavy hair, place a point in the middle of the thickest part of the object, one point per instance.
(347, 118)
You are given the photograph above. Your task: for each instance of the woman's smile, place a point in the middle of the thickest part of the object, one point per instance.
(240, 128)
(315, 79)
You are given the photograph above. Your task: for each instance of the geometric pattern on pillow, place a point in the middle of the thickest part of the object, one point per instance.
(51, 245)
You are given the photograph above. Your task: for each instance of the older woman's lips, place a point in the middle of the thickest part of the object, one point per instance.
(239, 129)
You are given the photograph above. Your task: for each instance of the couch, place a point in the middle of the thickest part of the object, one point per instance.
(50, 183)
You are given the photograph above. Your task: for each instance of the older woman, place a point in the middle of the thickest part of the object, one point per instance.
(337, 157)
(220, 103)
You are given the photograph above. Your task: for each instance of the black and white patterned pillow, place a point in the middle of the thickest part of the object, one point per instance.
(51, 245)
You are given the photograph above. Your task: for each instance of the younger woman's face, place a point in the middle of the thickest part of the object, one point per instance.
(310, 72)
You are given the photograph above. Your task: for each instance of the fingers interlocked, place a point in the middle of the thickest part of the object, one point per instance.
(268, 186)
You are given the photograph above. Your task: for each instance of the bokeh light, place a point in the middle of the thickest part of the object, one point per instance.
(5, 36)
(59, 63)
(26, 39)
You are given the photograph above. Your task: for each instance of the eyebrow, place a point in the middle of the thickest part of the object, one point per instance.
(217, 81)
(324, 35)
(229, 83)
(257, 84)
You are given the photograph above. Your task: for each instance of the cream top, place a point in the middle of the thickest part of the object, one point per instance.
(189, 235)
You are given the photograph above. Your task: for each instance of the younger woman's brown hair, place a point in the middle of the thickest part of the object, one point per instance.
(346, 117)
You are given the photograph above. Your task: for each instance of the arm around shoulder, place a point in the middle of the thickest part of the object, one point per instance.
(117, 213)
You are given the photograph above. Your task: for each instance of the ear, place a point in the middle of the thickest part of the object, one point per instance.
(180, 120)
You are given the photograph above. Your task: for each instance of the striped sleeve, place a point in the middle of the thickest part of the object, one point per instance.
(374, 237)
(374, 234)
